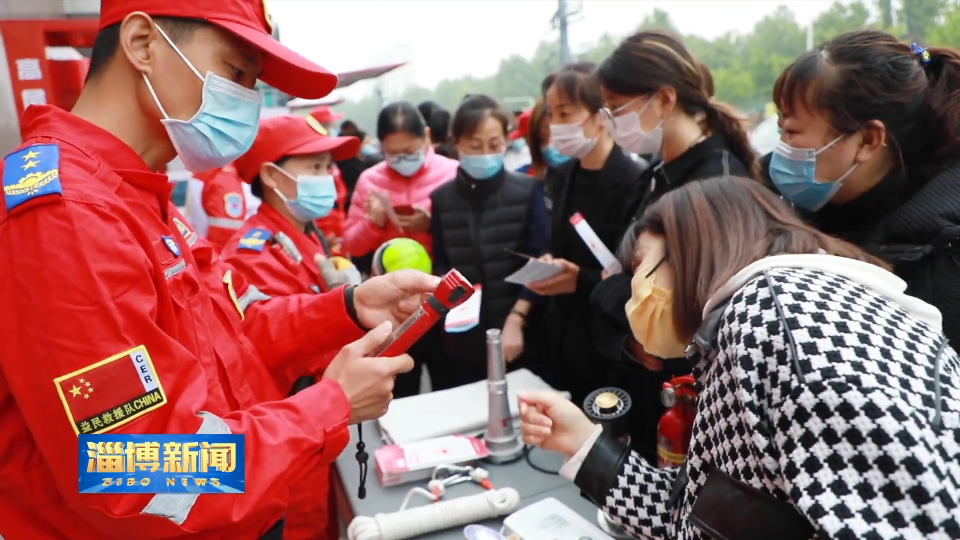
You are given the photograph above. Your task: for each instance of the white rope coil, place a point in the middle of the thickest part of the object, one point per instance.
(434, 517)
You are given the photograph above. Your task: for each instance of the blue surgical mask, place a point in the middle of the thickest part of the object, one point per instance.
(481, 167)
(316, 196)
(553, 157)
(367, 150)
(407, 164)
(794, 173)
(222, 130)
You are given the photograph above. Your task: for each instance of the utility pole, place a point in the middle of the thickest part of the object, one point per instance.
(561, 21)
(378, 92)
(565, 56)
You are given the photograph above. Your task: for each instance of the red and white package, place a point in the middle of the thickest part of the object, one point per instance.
(603, 255)
(403, 463)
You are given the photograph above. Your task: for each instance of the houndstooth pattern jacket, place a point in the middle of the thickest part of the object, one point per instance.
(851, 443)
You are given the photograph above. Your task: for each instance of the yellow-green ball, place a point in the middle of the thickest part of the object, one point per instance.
(401, 254)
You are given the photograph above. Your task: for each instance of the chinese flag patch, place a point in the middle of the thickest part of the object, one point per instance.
(112, 392)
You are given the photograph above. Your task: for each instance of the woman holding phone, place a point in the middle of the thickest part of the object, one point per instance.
(392, 198)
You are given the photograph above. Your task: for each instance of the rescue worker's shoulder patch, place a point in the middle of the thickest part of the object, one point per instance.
(233, 205)
(112, 392)
(255, 239)
(30, 173)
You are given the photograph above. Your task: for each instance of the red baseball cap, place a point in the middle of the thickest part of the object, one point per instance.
(248, 20)
(289, 135)
(523, 125)
(324, 115)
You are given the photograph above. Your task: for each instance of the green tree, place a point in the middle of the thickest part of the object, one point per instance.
(947, 33)
(839, 18)
(658, 20)
(744, 65)
(774, 43)
(920, 17)
(885, 7)
(602, 49)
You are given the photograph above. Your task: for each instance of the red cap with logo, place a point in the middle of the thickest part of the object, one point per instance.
(523, 125)
(288, 135)
(248, 20)
(324, 115)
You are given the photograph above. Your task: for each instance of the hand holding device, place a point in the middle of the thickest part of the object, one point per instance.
(392, 297)
(367, 381)
(412, 218)
(452, 291)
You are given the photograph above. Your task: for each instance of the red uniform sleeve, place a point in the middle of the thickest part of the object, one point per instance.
(77, 289)
(293, 332)
(224, 205)
(360, 235)
(332, 223)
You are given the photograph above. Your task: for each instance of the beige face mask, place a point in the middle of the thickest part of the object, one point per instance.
(650, 312)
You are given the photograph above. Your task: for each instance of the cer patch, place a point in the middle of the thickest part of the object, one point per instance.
(109, 393)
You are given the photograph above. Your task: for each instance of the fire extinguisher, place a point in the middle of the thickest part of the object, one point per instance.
(679, 396)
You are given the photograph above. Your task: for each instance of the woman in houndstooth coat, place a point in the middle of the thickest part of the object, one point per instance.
(828, 400)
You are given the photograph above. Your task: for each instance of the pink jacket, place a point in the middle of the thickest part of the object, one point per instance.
(361, 235)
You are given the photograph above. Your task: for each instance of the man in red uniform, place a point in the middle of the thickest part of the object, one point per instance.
(326, 118)
(223, 202)
(289, 166)
(100, 282)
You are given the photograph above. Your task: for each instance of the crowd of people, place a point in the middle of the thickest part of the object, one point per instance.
(812, 293)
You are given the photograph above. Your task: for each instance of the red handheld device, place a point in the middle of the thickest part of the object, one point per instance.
(454, 289)
(404, 210)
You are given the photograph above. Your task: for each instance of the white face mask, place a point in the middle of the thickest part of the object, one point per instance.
(222, 130)
(570, 141)
(629, 135)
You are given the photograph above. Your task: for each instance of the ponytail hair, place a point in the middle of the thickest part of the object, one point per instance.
(650, 60)
(941, 111)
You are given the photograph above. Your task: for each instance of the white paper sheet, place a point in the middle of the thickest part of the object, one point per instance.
(597, 247)
(535, 270)
(466, 316)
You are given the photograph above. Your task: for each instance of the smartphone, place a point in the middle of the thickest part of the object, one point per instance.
(404, 210)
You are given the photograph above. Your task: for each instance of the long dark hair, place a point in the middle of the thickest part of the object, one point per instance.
(439, 123)
(534, 139)
(400, 117)
(650, 60)
(714, 228)
(870, 75)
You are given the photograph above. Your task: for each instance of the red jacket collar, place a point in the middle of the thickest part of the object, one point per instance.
(96, 142)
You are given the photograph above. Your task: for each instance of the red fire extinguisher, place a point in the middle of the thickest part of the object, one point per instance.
(679, 396)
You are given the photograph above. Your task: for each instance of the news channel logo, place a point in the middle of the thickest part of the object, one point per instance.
(161, 463)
